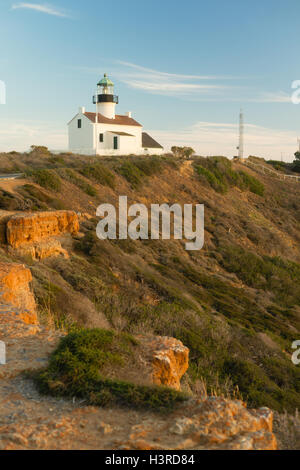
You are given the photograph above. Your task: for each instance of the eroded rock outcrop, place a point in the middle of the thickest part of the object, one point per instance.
(36, 227)
(167, 359)
(212, 424)
(43, 249)
(15, 291)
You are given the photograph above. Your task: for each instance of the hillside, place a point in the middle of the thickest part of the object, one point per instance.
(234, 304)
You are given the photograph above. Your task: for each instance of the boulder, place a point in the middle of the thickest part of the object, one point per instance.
(167, 359)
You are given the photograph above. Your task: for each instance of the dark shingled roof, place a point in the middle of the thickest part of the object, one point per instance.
(149, 142)
(119, 120)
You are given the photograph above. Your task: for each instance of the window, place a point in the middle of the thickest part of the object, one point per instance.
(101, 137)
(79, 123)
(116, 143)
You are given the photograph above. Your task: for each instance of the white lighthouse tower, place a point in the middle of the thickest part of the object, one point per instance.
(105, 99)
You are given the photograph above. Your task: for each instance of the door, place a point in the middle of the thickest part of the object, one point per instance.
(115, 143)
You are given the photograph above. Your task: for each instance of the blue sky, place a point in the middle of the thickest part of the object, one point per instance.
(183, 68)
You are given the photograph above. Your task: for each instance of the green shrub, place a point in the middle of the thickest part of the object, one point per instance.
(40, 200)
(56, 160)
(135, 170)
(99, 173)
(78, 368)
(72, 176)
(253, 184)
(131, 173)
(48, 179)
(250, 268)
(8, 201)
(219, 174)
(258, 389)
(281, 277)
(211, 178)
(34, 193)
(149, 166)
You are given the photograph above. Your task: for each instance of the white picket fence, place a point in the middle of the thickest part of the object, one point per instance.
(265, 169)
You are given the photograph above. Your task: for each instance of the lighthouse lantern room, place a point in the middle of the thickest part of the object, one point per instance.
(105, 99)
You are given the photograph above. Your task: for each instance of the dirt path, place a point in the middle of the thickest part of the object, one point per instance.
(12, 185)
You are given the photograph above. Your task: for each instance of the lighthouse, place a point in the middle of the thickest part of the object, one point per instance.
(105, 99)
(103, 132)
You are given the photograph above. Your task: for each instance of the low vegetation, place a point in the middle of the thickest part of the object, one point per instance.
(136, 170)
(74, 178)
(98, 173)
(79, 368)
(235, 303)
(47, 179)
(218, 172)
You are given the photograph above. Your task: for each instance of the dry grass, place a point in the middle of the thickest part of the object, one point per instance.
(287, 430)
(157, 287)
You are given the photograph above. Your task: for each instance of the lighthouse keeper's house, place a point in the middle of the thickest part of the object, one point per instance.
(106, 133)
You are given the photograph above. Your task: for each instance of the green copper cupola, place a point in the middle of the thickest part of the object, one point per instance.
(105, 82)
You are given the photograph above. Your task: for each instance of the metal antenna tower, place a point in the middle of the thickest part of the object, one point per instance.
(241, 136)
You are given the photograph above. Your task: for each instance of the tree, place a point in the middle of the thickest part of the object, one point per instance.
(182, 152)
(296, 162)
(39, 150)
(188, 151)
(176, 150)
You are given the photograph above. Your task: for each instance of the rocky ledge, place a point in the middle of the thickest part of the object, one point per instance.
(211, 424)
(35, 227)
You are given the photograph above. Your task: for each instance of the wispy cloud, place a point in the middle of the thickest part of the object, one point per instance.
(212, 138)
(20, 135)
(174, 75)
(170, 84)
(277, 97)
(208, 88)
(48, 9)
(164, 83)
(171, 88)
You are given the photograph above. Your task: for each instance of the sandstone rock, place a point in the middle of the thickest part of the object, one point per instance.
(45, 249)
(16, 438)
(213, 424)
(4, 218)
(35, 227)
(168, 359)
(15, 290)
(105, 428)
